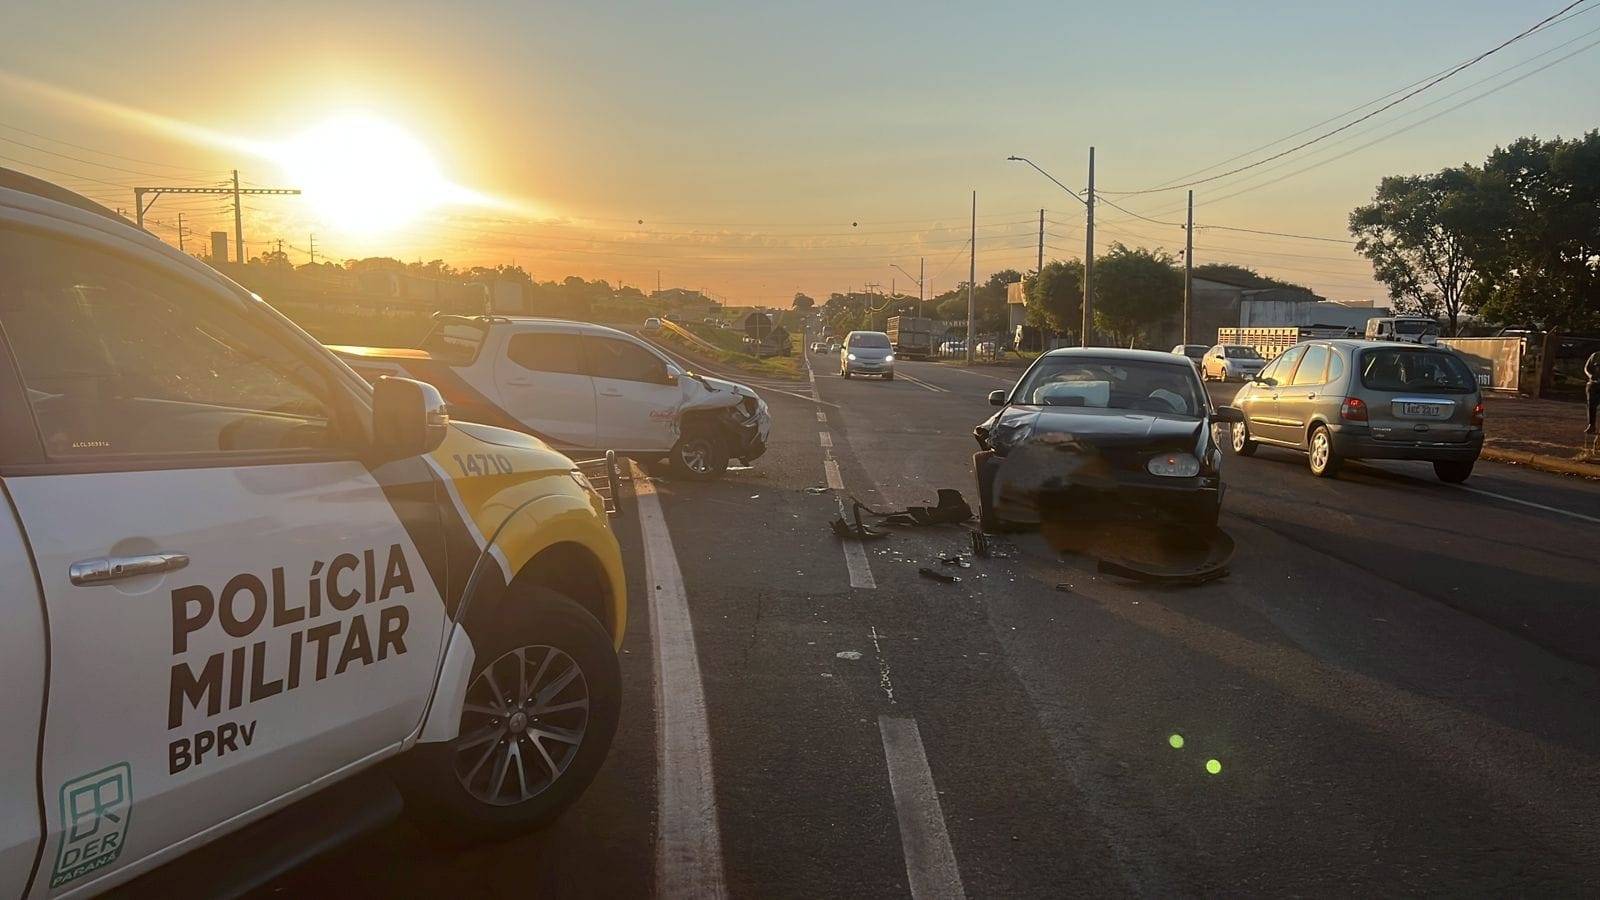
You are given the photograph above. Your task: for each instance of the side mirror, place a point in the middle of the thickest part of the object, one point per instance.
(1269, 382)
(1230, 414)
(997, 398)
(409, 418)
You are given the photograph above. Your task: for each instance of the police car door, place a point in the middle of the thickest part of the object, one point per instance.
(237, 605)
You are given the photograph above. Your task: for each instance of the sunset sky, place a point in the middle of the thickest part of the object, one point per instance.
(749, 137)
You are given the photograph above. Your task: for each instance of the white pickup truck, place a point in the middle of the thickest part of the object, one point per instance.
(235, 578)
(582, 388)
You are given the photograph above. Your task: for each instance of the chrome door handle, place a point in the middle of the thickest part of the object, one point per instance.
(113, 568)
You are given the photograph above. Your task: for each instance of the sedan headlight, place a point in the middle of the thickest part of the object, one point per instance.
(1174, 465)
(850, 356)
(889, 358)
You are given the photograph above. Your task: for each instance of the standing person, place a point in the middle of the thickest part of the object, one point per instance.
(1592, 389)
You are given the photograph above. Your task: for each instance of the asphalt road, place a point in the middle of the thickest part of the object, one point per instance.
(1398, 682)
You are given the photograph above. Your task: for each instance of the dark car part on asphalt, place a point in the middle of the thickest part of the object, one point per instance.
(951, 509)
(856, 528)
(937, 575)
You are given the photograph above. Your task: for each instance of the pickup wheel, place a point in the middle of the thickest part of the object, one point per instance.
(701, 454)
(536, 723)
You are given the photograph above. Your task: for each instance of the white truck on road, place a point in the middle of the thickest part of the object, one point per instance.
(582, 388)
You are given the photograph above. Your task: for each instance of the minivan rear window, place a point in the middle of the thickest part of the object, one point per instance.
(1420, 371)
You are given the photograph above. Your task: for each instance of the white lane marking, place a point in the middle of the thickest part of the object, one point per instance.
(883, 665)
(930, 861)
(826, 438)
(830, 470)
(979, 374)
(923, 384)
(688, 839)
(822, 416)
(855, 556)
(1561, 512)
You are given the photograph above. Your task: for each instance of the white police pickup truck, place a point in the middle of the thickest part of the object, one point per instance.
(235, 578)
(582, 388)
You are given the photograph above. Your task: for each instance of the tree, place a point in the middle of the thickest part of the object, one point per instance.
(801, 301)
(1055, 297)
(1421, 233)
(1542, 265)
(1134, 289)
(1246, 277)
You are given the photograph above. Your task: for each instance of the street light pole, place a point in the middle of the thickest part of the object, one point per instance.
(1188, 266)
(972, 278)
(1088, 259)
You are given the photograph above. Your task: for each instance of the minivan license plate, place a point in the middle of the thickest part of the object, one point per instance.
(1426, 410)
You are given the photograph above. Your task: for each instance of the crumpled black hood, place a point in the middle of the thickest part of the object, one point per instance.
(1090, 425)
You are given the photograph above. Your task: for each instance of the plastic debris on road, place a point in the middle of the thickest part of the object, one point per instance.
(937, 575)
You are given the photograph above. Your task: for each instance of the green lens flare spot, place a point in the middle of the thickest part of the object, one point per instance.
(1176, 741)
(1214, 767)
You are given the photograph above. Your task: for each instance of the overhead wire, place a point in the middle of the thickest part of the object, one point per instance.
(1368, 115)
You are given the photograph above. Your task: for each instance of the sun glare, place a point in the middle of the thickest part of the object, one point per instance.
(363, 175)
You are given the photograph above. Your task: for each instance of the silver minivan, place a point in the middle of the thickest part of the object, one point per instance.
(1349, 399)
(867, 353)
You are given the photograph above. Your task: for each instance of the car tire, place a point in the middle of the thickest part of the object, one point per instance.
(1320, 456)
(984, 468)
(844, 373)
(1453, 471)
(1240, 440)
(701, 454)
(889, 376)
(451, 787)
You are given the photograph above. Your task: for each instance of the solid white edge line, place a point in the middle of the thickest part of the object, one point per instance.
(931, 871)
(688, 838)
(1558, 511)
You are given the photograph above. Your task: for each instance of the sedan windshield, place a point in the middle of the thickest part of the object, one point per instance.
(871, 340)
(1112, 384)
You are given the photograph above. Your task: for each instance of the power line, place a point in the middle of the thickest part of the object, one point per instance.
(1364, 117)
(91, 162)
(147, 162)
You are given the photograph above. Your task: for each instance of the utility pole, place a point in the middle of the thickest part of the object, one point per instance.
(140, 207)
(311, 246)
(238, 221)
(922, 280)
(1041, 243)
(972, 277)
(1088, 260)
(1188, 266)
(180, 232)
(658, 281)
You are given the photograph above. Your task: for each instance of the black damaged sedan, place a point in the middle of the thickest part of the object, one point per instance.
(1097, 433)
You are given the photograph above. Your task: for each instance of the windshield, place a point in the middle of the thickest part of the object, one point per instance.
(1194, 351)
(1112, 384)
(1242, 353)
(869, 340)
(1423, 371)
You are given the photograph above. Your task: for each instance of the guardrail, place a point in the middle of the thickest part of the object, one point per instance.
(691, 337)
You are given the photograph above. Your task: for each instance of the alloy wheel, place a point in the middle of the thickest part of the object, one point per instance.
(696, 455)
(1319, 451)
(522, 725)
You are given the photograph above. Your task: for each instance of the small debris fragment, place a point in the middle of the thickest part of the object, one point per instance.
(755, 496)
(951, 559)
(936, 575)
(1064, 588)
(848, 654)
(817, 489)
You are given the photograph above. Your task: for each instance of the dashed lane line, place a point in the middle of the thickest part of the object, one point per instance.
(822, 416)
(826, 439)
(830, 471)
(931, 869)
(688, 839)
(855, 556)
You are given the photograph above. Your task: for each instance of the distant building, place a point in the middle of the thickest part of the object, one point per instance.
(1016, 306)
(1217, 303)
